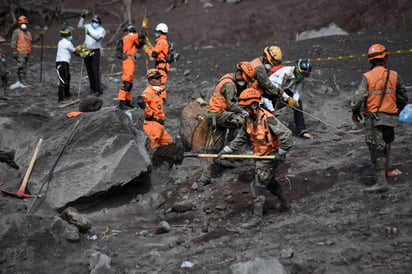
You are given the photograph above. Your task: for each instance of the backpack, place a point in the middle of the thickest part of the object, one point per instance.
(119, 49)
(173, 56)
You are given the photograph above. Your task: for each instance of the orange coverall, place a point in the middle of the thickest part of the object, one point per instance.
(159, 53)
(130, 44)
(154, 118)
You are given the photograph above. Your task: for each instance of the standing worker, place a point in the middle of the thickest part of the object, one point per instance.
(152, 103)
(225, 113)
(291, 79)
(159, 52)
(94, 34)
(64, 50)
(131, 42)
(268, 136)
(272, 56)
(380, 97)
(21, 46)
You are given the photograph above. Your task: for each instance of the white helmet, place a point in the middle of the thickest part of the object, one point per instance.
(162, 27)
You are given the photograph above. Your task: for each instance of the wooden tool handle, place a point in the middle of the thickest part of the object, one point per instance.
(30, 168)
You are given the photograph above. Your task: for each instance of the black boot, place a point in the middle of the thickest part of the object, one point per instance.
(123, 106)
(276, 189)
(129, 104)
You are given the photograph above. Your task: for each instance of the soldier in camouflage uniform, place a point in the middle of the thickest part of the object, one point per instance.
(268, 136)
(224, 113)
(379, 98)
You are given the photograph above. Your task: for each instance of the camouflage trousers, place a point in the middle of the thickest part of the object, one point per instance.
(21, 64)
(377, 137)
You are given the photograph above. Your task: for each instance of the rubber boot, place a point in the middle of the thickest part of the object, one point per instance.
(122, 105)
(276, 190)
(206, 177)
(381, 185)
(257, 214)
(129, 104)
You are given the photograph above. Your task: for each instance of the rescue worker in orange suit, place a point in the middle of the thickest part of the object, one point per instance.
(224, 113)
(268, 136)
(159, 52)
(21, 47)
(131, 42)
(379, 99)
(152, 103)
(272, 56)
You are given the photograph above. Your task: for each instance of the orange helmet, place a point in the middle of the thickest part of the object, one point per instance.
(249, 96)
(248, 72)
(153, 74)
(273, 54)
(377, 51)
(22, 20)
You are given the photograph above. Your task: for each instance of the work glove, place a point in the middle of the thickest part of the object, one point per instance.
(86, 31)
(280, 156)
(281, 91)
(292, 102)
(225, 150)
(83, 13)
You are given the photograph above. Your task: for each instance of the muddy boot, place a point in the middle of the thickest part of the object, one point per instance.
(206, 177)
(123, 106)
(257, 214)
(381, 185)
(276, 190)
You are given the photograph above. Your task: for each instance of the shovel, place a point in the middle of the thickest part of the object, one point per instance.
(228, 156)
(21, 192)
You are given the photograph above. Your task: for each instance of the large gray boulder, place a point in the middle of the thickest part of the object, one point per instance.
(105, 151)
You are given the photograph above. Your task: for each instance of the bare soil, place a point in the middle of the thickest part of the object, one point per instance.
(333, 226)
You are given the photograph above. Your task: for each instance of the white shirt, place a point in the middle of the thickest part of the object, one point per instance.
(64, 50)
(94, 37)
(284, 78)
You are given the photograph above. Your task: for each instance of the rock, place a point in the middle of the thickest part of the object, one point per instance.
(259, 265)
(99, 263)
(163, 227)
(72, 216)
(182, 206)
(90, 104)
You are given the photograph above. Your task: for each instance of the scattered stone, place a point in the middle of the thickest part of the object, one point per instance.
(259, 265)
(163, 227)
(99, 263)
(182, 206)
(72, 216)
(286, 253)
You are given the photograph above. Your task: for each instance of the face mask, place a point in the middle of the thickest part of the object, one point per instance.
(268, 66)
(70, 38)
(157, 88)
(157, 35)
(95, 25)
(241, 83)
(23, 26)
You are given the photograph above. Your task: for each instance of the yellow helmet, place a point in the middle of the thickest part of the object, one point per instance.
(273, 54)
(249, 96)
